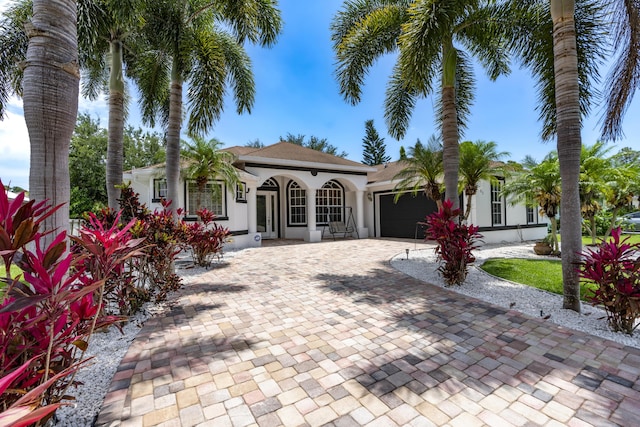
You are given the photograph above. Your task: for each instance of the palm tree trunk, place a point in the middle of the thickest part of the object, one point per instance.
(115, 150)
(450, 134)
(50, 97)
(614, 218)
(173, 138)
(569, 145)
(467, 210)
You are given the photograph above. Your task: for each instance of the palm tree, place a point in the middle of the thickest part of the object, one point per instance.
(477, 163)
(431, 37)
(594, 167)
(199, 44)
(104, 26)
(546, 39)
(204, 161)
(50, 98)
(539, 185)
(421, 171)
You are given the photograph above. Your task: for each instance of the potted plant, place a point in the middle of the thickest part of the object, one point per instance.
(544, 246)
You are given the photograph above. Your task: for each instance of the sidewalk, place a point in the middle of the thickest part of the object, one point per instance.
(330, 334)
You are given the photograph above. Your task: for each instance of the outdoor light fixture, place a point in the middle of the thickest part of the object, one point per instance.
(370, 197)
(407, 251)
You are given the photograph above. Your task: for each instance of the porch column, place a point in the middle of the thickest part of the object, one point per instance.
(254, 238)
(252, 206)
(312, 235)
(363, 232)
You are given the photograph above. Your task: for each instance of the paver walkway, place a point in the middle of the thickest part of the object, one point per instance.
(330, 334)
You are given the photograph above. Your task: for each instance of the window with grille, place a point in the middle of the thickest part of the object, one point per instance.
(211, 197)
(159, 189)
(297, 204)
(531, 211)
(330, 203)
(497, 203)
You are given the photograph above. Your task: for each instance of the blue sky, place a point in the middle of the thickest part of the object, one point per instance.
(297, 92)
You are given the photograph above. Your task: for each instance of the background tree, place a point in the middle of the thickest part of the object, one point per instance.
(436, 41)
(87, 161)
(622, 182)
(374, 149)
(256, 143)
(142, 148)
(422, 171)
(204, 161)
(314, 143)
(594, 169)
(538, 185)
(477, 162)
(87, 166)
(202, 46)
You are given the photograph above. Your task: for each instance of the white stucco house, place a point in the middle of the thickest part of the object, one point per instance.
(292, 192)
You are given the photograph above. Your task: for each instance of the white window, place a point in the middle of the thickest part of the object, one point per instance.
(531, 211)
(330, 203)
(211, 197)
(497, 203)
(159, 189)
(297, 204)
(241, 191)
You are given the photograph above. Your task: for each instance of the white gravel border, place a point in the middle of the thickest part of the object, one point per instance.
(528, 300)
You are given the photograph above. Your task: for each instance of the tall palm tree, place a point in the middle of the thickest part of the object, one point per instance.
(538, 185)
(594, 168)
(104, 27)
(422, 170)
(477, 163)
(435, 40)
(558, 35)
(199, 43)
(51, 85)
(204, 161)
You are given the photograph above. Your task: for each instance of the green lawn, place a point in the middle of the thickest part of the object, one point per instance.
(633, 239)
(539, 273)
(14, 272)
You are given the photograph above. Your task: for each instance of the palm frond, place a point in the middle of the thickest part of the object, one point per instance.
(367, 39)
(400, 101)
(13, 50)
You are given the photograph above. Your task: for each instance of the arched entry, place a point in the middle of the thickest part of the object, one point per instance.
(267, 209)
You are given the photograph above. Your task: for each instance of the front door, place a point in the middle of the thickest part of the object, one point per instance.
(267, 214)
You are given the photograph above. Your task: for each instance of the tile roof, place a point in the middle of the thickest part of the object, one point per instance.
(385, 172)
(293, 152)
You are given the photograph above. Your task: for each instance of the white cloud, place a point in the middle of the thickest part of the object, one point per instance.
(14, 146)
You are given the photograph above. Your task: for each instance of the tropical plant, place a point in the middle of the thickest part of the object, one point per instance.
(205, 238)
(435, 40)
(200, 44)
(538, 185)
(622, 183)
(314, 143)
(615, 269)
(373, 146)
(477, 162)
(421, 171)
(594, 167)
(49, 314)
(205, 161)
(455, 243)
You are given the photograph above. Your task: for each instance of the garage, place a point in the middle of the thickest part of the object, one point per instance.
(399, 219)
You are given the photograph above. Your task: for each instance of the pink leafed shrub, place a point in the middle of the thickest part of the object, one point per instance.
(205, 238)
(455, 242)
(48, 312)
(614, 267)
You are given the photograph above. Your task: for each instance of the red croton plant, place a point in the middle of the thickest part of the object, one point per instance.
(47, 313)
(614, 268)
(455, 242)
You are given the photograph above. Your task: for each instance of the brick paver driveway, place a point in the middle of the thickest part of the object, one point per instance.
(330, 334)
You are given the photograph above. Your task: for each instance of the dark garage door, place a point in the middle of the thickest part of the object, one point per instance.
(399, 219)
